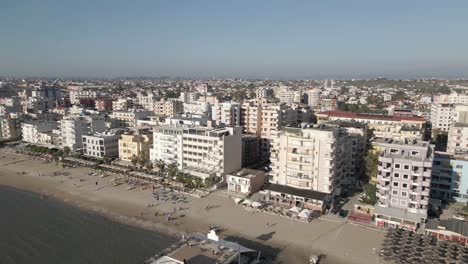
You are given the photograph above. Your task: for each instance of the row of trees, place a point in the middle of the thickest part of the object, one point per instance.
(52, 151)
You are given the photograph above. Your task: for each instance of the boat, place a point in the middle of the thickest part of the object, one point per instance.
(314, 259)
(117, 184)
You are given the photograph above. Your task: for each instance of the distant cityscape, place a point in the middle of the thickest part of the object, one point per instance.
(380, 153)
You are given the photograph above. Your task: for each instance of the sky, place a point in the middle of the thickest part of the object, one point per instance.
(274, 39)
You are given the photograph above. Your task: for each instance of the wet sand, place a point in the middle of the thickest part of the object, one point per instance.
(288, 241)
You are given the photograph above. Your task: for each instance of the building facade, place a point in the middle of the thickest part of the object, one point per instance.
(404, 183)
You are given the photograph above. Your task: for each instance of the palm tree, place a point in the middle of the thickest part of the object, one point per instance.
(161, 166)
(172, 170)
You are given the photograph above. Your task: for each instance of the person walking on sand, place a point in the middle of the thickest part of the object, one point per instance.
(174, 209)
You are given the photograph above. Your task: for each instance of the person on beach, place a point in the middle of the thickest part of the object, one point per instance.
(174, 209)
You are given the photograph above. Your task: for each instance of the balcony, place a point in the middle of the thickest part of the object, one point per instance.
(426, 183)
(425, 201)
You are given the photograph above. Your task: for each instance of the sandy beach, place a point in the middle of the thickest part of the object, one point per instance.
(289, 241)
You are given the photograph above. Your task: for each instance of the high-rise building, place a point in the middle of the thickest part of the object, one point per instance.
(203, 152)
(404, 183)
(442, 116)
(74, 127)
(226, 113)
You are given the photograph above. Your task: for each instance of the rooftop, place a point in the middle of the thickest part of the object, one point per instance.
(399, 213)
(346, 114)
(247, 173)
(454, 225)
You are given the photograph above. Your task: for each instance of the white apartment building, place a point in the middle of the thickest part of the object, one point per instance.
(128, 118)
(226, 113)
(168, 107)
(74, 127)
(200, 151)
(31, 130)
(313, 97)
(442, 116)
(75, 96)
(199, 109)
(457, 142)
(101, 145)
(188, 97)
(404, 183)
(264, 92)
(453, 98)
(286, 95)
(146, 101)
(317, 158)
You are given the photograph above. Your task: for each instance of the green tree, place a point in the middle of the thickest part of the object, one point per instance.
(172, 170)
(370, 192)
(161, 167)
(371, 160)
(134, 161)
(142, 161)
(106, 160)
(66, 150)
(149, 166)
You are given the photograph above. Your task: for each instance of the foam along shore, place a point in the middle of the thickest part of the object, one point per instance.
(283, 239)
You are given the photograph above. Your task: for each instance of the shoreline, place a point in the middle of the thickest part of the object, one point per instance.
(286, 242)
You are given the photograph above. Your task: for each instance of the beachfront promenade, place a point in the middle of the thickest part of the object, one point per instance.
(293, 241)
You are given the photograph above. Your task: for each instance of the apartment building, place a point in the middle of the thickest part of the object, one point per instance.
(123, 104)
(313, 97)
(73, 127)
(197, 109)
(442, 116)
(383, 126)
(168, 108)
(10, 125)
(264, 92)
(250, 150)
(404, 183)
(146, 101)
(32, 129)
(102, 145)
(226, 113)
(450, 177)
(75, 96)
(200, 151)
(319, 160)
(457, 141)
(128, 118)
(188, 97)
(134, 143)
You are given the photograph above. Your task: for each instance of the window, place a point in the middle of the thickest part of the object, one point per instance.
(414, 153)
(405, 185)
(405, 176)
(404, 194)
(395, 184)
(396, 175)
(459, 166)
(393, 150)
(394, 201)
(406, 167)
(397, 166)
(403, 202)
(395, 192)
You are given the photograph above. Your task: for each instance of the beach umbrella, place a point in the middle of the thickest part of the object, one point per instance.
(246, 202)
(295, 209)
(256, 204)
(237, 200)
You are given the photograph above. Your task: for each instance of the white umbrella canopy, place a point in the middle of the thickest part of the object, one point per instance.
(304, 213)
(256, 204)
(246, 202)
(295, 209)
(237, 200)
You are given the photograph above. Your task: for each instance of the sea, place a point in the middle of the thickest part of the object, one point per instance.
(47, 231)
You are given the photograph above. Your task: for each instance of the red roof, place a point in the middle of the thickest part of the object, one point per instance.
(339, 113)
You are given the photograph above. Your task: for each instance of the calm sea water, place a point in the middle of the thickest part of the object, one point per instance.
(40, 231)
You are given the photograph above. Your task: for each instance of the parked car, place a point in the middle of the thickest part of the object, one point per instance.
(459, 217)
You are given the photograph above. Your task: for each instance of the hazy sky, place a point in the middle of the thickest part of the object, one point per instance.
(252, 38)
